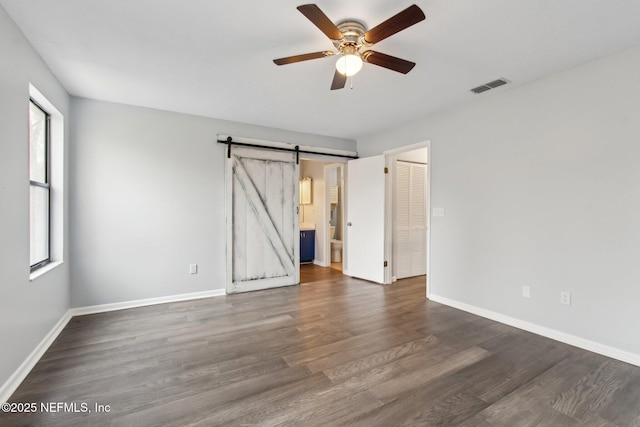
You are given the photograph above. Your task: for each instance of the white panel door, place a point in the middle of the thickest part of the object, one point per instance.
(263, 237)
(365, 218)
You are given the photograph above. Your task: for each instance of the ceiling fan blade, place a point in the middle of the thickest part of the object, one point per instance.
(408, 17)
(304, 57)
(388, 61)
(339, 80)
(320, 20)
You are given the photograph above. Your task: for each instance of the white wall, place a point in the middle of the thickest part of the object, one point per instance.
(419, 155)
(147, 199)
(541, 186)
(28, 310)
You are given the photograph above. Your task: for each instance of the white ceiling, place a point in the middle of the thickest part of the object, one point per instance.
(214, 57)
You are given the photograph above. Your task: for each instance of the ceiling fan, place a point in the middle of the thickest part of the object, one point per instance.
(352, 40)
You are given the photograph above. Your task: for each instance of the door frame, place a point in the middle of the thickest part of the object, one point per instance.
(389, 157)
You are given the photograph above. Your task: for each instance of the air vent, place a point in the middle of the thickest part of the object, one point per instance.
(488, 86)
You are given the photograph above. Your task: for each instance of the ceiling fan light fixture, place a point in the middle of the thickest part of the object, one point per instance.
(349, 64)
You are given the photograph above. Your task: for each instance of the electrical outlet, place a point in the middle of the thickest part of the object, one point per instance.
(565, 298)
(193, 268)
(526, 291)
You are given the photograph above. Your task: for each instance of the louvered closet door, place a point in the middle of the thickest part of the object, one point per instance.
(410, 221)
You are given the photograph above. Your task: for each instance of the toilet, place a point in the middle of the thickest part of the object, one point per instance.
(336, 250)
(336, 245)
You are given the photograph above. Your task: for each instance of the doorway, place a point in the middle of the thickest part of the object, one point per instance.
(407, 227)
(263, 200)
(409, 214)
(334, 212)
(322, 216)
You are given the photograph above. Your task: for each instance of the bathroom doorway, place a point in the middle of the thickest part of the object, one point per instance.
(334, 212)
(322, 219)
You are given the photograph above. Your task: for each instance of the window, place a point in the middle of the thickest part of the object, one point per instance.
(46, 179)
(40, 187)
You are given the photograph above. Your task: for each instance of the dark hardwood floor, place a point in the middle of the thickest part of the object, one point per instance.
(334, 351)
(314, 273)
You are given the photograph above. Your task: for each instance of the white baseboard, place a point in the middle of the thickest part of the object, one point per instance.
(103, 308)
(10, 386)
(573, 340)
(320, 263)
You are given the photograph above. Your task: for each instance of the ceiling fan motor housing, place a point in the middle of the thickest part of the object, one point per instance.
(352, 37)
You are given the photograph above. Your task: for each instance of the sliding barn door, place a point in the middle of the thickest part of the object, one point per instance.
(410, 220)
(262, 220)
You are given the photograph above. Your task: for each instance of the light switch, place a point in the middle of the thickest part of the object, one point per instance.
(438, 212)
(193, 268)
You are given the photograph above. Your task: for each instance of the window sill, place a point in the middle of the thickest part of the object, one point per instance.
(39, 272)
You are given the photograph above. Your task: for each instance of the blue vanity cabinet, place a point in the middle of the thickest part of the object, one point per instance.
(307, 245)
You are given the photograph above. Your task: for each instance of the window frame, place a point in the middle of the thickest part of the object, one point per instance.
(47, 184)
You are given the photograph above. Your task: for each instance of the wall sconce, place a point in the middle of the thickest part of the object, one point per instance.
(305, 191)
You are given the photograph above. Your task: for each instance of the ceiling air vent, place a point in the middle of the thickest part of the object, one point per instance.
(488, 86)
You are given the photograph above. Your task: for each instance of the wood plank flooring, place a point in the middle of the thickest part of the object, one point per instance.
(315, 273)
(334, 351)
